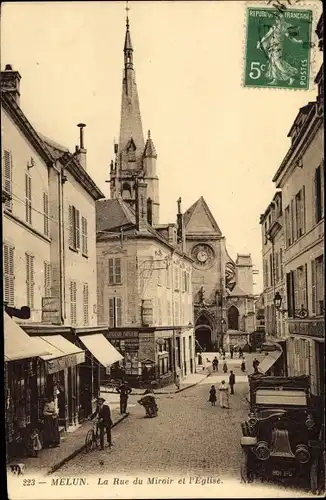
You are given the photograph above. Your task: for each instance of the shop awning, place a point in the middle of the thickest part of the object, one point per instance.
(19, 345)
(63, 355)
(268, 361)
(101, 349)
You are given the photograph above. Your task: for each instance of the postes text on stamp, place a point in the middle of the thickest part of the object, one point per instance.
(278, 48)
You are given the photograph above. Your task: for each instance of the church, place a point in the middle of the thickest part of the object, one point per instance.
(224, 311)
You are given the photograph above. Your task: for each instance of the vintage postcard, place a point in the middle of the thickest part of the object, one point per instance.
(163, 249)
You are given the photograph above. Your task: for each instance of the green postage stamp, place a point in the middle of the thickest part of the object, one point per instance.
(278, 48)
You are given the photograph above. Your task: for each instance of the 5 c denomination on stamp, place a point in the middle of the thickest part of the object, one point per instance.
(278, 48)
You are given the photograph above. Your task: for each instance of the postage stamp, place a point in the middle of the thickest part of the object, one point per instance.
(278, 47)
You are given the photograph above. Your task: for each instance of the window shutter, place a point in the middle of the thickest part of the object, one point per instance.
(303, 210)
(111, 313)
(9, 274)
(85, 304)
(305, 288)
(117, 270)
(295, 278)
(294, 221)
(111, 272)
(71, 226)
(118, 305)
(46, 213)
(47, 279)
(8, 178)
(77, 225)
(313, 286)
(30, 280)
(84, 235)
(73, 302)
(281, 263)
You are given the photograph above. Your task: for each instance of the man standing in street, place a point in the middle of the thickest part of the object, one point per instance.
(104, 421)
(124, 390)
(215, 364)
(231, 382)
(231, 351)
(255, 365)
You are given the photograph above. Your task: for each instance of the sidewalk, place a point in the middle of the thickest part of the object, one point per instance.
(72, 442)
(186, 383)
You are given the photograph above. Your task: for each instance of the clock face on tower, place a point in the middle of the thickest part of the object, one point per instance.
(203, 256)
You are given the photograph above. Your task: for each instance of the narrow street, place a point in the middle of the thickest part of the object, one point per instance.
(189, 436)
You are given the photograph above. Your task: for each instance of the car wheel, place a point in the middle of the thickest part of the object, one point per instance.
(314, 476)
(244, 465)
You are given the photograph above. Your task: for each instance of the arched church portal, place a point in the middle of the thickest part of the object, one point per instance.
(203, 332)
(233, 318)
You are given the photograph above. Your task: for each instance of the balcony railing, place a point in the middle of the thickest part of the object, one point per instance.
(313, 327)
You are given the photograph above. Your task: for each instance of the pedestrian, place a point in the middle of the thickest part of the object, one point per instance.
(200, 359)
(240, 353)
(104, 421)
(231, 352)
(177, 382)
(255, 365)
(224, 394)
(51, 434)
(231, 382)
(124, 390)
(243, 365)
(212, 395)
(225, 366)
(215, 364)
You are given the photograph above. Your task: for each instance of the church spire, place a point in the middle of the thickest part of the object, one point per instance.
(131, 131)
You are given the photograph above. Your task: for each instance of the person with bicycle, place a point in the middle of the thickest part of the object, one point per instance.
(104, 421)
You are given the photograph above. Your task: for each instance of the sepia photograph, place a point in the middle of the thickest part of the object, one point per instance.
(163, 249)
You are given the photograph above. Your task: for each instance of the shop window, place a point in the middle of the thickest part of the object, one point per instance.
(9, 274)
(115, 271)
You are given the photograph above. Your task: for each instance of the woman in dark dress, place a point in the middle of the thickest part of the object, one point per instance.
(212, 395)
(51, 435)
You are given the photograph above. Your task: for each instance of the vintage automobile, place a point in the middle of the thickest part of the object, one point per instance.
(282, 439)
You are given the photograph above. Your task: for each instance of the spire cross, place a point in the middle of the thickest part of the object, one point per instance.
(127, 9)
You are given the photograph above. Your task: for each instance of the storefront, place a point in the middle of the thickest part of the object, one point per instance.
(21, 357)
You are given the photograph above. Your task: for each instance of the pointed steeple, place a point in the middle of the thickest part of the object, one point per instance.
(150, 151)
(130, 124)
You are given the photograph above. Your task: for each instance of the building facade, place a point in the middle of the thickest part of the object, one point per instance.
(222, 289)
(144, 274)
(301, 178)
(49, 262)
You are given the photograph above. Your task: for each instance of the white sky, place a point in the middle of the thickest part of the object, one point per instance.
(213, 137)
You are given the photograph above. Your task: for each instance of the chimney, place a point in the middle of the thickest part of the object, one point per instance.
(141, 205)
(82, 150)
(180, 228)
(10, 82)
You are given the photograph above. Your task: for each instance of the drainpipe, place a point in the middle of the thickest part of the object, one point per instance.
(174, 340)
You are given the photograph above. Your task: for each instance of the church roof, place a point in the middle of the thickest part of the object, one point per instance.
(237, 292)
(200, 208)
(113, 214)
(150, 151)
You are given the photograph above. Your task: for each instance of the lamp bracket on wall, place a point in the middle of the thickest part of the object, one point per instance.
(30, 163)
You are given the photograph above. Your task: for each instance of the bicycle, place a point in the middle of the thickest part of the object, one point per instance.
(92, 438)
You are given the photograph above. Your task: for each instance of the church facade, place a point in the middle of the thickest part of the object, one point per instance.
(222, 289)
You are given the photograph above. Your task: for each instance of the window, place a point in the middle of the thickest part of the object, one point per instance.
(30, 280)
(84, 236)
(73, 302)
(85, 304)
(115, 271)
(300, 213)
(115, 312)
(9, 276)
(318, 285)
(271, 267)
(281, 263)
(28, 198)
(277, 271)
(46, 213)
(293, 222)
(290, 293)
(301, 288)
(47, 279)
(74, 228)
(288, 239)
(319, 193)
(7, 180)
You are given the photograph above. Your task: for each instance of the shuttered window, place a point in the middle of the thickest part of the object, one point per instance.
(288, 230)
(47, 279)
(115, 312)
(28, 198)
(300, 212)
(74, 228)
(85, 304)
(319, 194)
(115, 271)
(46, 213)
(7, 178)
(293, 221)
(281, 264)
(169, 312)
(73, 302)
(30, 280)
(313, 286)
(9, 274)
(320, 285)
(84, 236)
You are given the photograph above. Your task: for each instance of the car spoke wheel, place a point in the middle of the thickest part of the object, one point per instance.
(314, 476)
(89, 441)
(244, 466)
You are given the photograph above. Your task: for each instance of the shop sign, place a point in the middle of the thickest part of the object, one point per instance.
(309, 328)
(50, 310)
(123, 335)
(57, 364)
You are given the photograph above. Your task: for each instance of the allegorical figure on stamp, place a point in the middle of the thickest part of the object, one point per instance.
(273, 45)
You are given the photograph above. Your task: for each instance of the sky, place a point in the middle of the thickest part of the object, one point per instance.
(214, 138)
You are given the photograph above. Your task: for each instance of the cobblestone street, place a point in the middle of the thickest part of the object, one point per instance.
(188, 436)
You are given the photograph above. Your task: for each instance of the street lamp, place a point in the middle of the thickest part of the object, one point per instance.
(301, 313)
(277, 301)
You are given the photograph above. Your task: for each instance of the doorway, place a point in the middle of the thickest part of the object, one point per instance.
(233, 318)
(203, 332)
